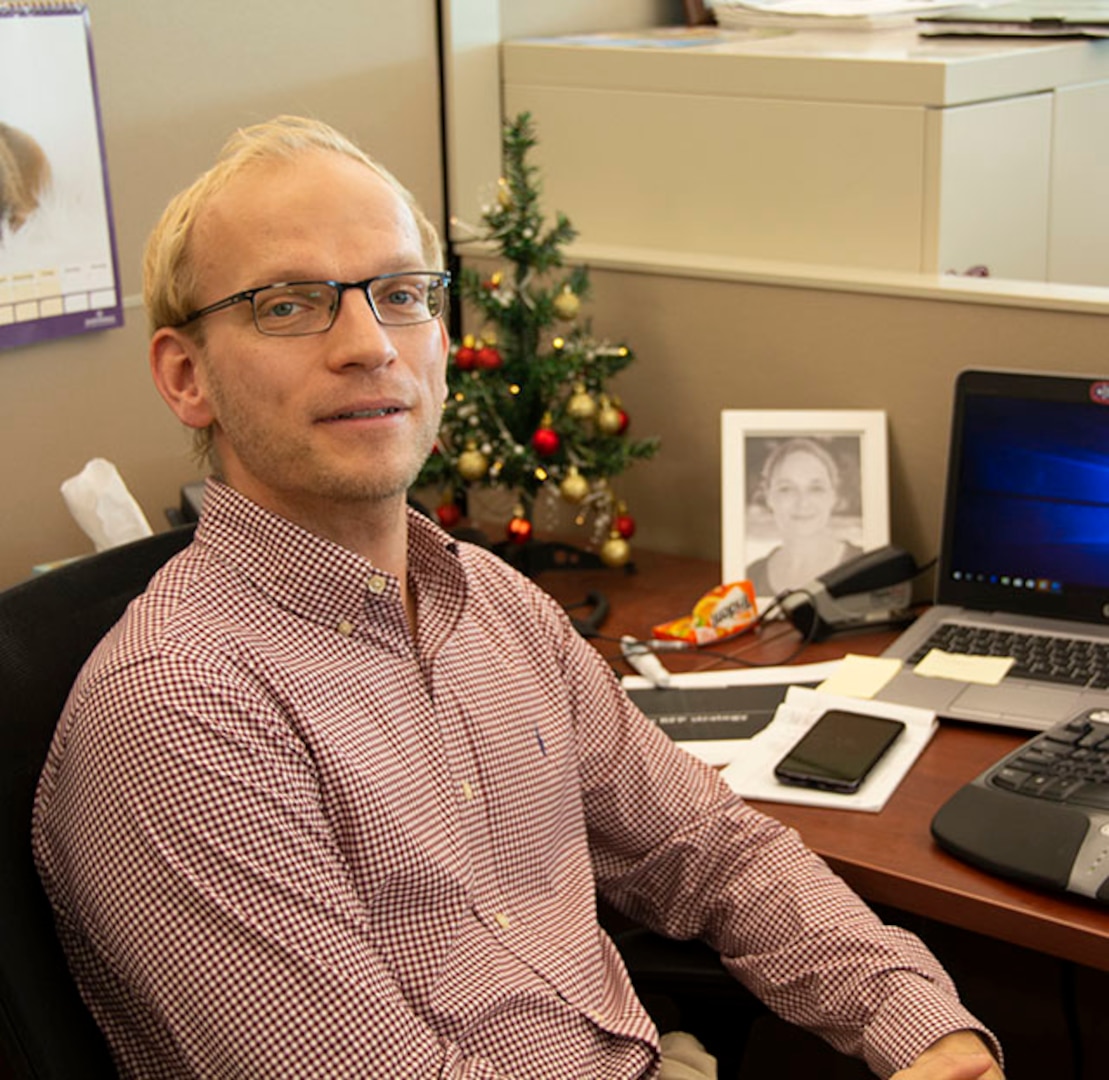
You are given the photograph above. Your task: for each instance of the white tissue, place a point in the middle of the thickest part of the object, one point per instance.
(100, 503)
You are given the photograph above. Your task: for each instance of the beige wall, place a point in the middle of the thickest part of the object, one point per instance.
(174, 80)
(474, 30)
(703, 346)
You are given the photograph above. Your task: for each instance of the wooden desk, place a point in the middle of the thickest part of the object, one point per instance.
(889, 858)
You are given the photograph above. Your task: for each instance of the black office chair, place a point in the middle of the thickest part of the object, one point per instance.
(48, 626)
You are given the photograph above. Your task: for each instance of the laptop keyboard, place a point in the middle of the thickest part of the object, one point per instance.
(1071, 661)
(1069, 763)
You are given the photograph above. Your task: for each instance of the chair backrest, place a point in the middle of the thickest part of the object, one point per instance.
(48, 626)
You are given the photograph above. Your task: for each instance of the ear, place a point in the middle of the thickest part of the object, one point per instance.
(175, 366)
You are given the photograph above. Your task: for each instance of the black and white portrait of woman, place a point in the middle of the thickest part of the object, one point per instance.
(804, 501)
(800, 500)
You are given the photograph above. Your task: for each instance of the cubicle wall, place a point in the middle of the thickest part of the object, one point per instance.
(175, 80)
(706, 344)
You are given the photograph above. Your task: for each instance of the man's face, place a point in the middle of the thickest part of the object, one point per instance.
(310, 426)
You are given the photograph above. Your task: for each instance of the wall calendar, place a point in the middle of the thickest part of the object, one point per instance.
(58, 263)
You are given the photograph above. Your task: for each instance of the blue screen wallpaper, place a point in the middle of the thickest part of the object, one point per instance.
(1033, 495)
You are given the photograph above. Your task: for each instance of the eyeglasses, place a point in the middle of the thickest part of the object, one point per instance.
(297, 308)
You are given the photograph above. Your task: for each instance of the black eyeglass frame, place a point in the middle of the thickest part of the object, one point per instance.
(340, 287)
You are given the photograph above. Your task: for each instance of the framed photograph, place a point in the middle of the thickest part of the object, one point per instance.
(803, 491)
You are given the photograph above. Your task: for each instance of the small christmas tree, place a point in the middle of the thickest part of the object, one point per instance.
(529, 409)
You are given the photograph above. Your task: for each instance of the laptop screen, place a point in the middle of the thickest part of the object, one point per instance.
(1026, 522)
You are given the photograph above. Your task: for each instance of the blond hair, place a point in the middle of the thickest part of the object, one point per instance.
(170, 284)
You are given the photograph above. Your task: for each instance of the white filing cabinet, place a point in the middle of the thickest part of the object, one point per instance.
(877, 149)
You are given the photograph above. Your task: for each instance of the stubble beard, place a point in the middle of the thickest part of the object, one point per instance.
(293, 467)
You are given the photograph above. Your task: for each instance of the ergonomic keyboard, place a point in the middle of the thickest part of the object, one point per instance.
(1041, 814)
(1068, 763)
(1074, 661)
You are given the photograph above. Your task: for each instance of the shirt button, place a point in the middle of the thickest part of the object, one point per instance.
(467, 790)
(377, 584)
(502, 920)
(346, 628)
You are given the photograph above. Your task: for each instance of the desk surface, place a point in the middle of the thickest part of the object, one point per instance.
(889, 858)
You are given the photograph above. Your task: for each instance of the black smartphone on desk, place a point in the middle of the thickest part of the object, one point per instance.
(838, 751)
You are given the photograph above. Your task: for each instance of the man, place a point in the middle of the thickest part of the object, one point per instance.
(336, 796)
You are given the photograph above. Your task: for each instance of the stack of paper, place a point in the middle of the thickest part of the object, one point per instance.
(758, 740)
(1023, 18)
(751, 771)
(824, 14)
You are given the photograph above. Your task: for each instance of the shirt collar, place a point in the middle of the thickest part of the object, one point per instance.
(312, 575)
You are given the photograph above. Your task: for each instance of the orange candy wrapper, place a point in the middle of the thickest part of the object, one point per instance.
(721, 613)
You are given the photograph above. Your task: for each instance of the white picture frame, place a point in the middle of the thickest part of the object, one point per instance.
(803, 490)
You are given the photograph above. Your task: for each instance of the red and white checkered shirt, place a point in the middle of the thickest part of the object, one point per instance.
(283, 837)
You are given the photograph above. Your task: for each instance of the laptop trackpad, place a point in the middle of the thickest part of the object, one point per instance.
(1032, 703)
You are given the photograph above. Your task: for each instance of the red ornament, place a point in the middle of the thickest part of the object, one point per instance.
(488, 358)
(465, 357)
(624, 524)
(546, 441)
(518, 530)
(624, 420)
(449, 514)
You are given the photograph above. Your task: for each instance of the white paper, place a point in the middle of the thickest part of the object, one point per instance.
(826, 14)
(720, 752)
(100, 503)
(751, 771)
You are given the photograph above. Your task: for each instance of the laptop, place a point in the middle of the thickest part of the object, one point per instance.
(1023, 567)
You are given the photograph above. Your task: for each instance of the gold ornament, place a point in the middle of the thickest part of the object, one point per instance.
(609, 418)
(472, 464)
(567, 304)
(504, 194)
(581, 405)
(615, 551)
(574, 486)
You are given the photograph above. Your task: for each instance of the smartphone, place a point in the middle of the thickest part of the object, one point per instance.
(838, 751)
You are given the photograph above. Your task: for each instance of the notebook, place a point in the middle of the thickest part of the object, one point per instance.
(1023, 567)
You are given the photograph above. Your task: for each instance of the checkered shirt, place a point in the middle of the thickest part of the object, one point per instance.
(285, 837)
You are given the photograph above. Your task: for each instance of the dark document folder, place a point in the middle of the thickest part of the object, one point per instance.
(714, 712)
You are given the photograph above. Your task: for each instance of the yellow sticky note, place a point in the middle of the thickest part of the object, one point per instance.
(987, 670)
(860, 676)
